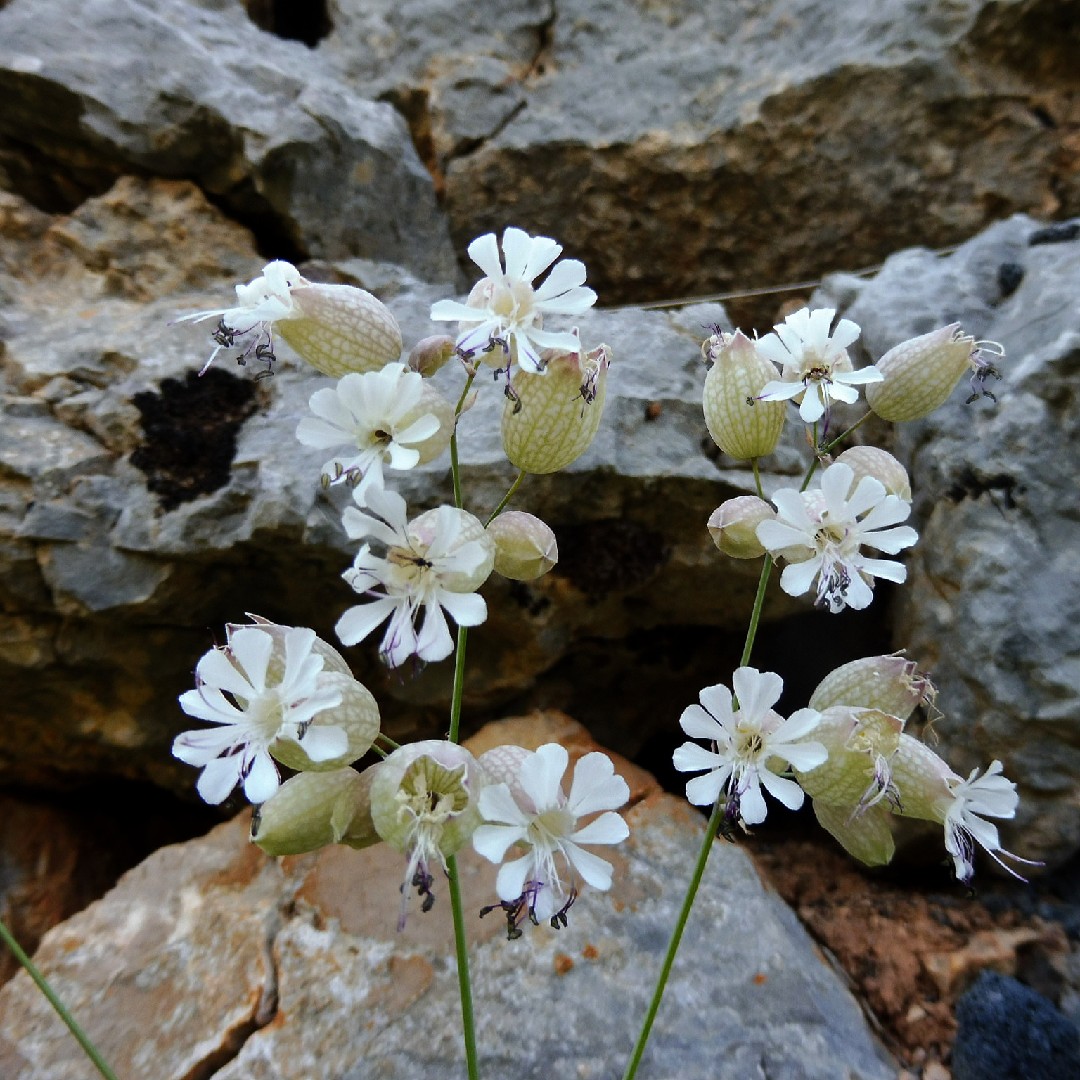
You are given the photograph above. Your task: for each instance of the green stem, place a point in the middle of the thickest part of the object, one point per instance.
(703, 853)
(828, 447)
(757, 479)
(89, 1048)
(506, 498)
(387, 741)
(461, 947)
(459, 683)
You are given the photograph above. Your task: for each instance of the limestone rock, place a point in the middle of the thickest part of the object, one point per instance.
(211, 957)
(681, 148)
(170, 89)
(992, 603)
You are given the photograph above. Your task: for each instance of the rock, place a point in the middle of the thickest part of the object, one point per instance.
(1008, 1031)
(167, 88)
(682, 150)
(992, 602)
(211, 957)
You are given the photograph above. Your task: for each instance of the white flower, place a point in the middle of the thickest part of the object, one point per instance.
(504, 307)
(262, 709)
(382, 415)
(335, 328)
(813, 363)
(821, 534)
(751, 746)
(990, 794)
(431, 563)
(543, 822)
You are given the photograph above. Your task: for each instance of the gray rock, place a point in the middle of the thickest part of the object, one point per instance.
(165, 88)
(682, 148)
(262, 969)
(992, 604)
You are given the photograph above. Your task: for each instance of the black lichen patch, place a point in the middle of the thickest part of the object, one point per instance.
(190, 429)
(601, 557)
(1059, 233)
(308, 22)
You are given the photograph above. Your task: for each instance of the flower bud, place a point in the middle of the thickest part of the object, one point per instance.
(502, 764)
(740, 425)
(893, 684)
(341, 328)
(357, 715)
(312, 810)
(525, 548)
(431, 353)
(920, 373)
(733, 526)
(881, 465)
(422, 532)
(552, 417)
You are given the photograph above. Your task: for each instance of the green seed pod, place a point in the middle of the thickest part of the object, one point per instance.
(740, 425)
(357, 715)
(891, 683)
(312, 810)
(921, 778)
(920, 374)
(866, 836)
(552, 418)
(341, 329)
(733, 526)
(881, 465)
(525, 548)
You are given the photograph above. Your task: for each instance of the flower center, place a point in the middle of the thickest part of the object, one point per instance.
(514, 302)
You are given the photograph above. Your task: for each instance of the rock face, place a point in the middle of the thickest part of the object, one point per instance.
(211, 958)
(167, 88)
(992, 603)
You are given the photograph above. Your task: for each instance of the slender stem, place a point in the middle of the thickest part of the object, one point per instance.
(757, 479)
(703, 853)
(89, 1048)
(844, 434)
(459, 683)
(387, 741)
(455, 471)
(461, 947)
(506, 498)
(676, 938)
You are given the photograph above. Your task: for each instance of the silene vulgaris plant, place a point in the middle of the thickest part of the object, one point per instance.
(282, 717)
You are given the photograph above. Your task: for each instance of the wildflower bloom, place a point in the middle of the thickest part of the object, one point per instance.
(751, 746)
(543, 822)
(387, 417)
(236, 690)
(814, 362)
(821, 534)
(424, 804)
(929, 789)
(431, 563)
(335, 328)
(505, 309)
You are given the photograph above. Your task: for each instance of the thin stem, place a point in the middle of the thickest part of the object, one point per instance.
(676, 938)
(387, 741)
(827, 449)
(506, 498)
(459, 683)
(706, 847)
(89, 1048)
(757, 479)
(461, 947)
(455, 471)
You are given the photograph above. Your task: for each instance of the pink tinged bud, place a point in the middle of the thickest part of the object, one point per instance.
(893, 684)
(357, 715)
(866, 836)
(422, 532)
(502, 765)
(312, 810)
(429, 354)
(881, 465)
(740, 425)
(525, 548)
(921, 373)
(733, 526)
(341, 329)
(551, 418)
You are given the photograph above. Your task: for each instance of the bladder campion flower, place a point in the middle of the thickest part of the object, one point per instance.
(815, 363)
(752, 744)
(535, 815)
(822, 533)
(253, 711)
(389, 417)
(436, 561)
(505, 311)
(335, 328)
